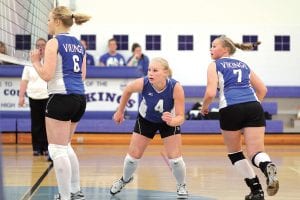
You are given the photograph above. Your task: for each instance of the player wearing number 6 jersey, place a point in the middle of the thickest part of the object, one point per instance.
(64, 69)
(240, 94)
(161, 109)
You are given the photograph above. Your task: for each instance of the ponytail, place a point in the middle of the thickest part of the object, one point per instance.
(247, 46)
(67, 17)
(227, 42)
(81, 18)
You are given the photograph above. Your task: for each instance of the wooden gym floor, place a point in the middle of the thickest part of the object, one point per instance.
(209, 173)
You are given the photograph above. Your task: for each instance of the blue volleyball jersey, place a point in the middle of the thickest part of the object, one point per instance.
(68, 74)
(234, 82)
(154, 102)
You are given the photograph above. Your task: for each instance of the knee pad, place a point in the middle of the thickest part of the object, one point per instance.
(176, 161)
(56, 151)
(260, 157)
(70, 149)
(235, 157)
(130, 160)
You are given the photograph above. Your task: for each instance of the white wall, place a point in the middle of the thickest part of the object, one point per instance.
(200, 18)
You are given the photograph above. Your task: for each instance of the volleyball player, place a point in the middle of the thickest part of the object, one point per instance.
(240, 94)
(64, 69)
(161, 109)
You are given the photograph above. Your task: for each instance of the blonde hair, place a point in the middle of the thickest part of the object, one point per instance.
(164, 63)
(228, 43)
(41, 39)
(67, 17)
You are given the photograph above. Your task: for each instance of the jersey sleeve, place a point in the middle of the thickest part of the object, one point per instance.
(25, 73)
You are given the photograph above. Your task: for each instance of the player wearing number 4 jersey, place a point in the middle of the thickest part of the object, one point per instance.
(64, 69)
(240, 94)
(161, 109)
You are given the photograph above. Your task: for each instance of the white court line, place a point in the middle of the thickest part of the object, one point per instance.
(295, 170)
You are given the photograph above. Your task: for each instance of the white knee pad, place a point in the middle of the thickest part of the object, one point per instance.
(176, 161)
(178, 169)
(130, 160)
(56, 151)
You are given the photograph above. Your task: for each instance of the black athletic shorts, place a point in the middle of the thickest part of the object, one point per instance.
(66, 107)
(238, 116)
(149, 129)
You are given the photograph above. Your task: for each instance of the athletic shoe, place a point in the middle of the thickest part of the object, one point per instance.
(118, 185)
(272, 180)
(57, 197)
(37, 153)
(182, 192)
(77, 196)
(45, 153)
(256, 190)
(257, 196)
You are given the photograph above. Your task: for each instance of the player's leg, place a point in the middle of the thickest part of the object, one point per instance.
(76, 192)
(254, 139)
(143, 133)
(232, 140)
(172, 146)
(231, 121)
(61, 111)
(58, 137)
(137, 146)
(80, 105)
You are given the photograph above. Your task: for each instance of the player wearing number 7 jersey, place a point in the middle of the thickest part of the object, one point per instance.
(64, 69)
(240, 94)
(161, 109)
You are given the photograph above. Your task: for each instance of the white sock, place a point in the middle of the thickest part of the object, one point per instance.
(130, 165)
(62, 169)
(244, 168)
(178, 169)
(261, 157)
(75, 179)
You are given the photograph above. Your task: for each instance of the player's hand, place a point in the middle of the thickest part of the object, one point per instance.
(35, 55)
(167, 117)
(204, 110)
(118, 117)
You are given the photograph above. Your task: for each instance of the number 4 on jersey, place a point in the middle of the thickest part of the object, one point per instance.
(159, 106)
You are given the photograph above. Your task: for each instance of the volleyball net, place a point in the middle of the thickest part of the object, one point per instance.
(22, 22)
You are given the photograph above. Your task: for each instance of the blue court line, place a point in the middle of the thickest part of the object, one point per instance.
(14, 192)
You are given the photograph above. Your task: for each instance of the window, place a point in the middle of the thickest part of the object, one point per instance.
(122, 41)
(153, 42)
(282, 42)
(185, 42)
(212, 38)
(90, 40)
(251, 39)
(23, 42)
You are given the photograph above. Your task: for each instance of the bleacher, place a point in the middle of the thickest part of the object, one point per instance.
(101, 122)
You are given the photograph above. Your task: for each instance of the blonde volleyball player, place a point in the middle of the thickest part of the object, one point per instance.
(64, 69)
(161, 109)
(240, 94)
